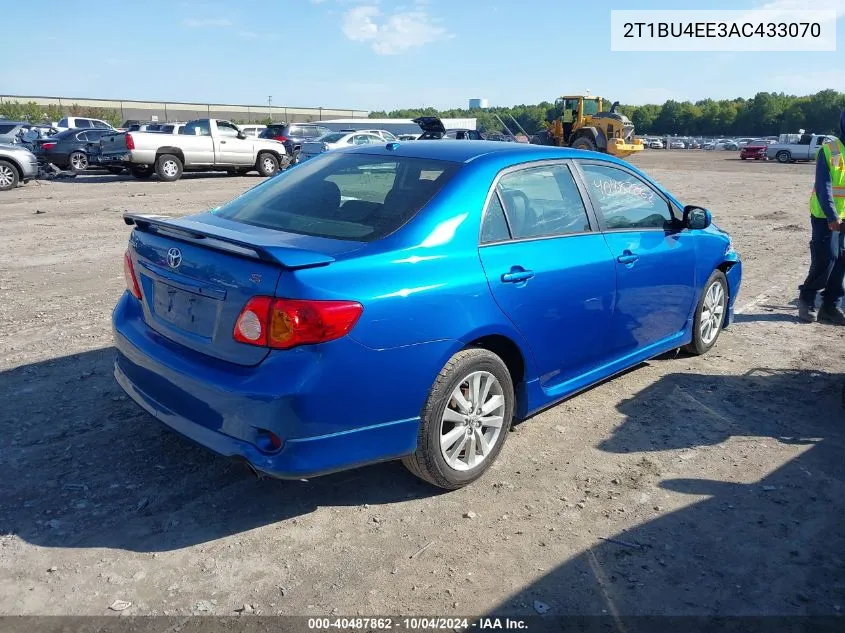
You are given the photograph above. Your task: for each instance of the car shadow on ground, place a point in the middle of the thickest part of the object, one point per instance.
(83, 466)
(774, 546)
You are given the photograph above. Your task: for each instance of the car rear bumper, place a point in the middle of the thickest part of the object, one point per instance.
(334, 406)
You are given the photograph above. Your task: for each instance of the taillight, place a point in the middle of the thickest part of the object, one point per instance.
(129, 274)
(130, 142)
(286, 323)
(48, 145)
(283, 139)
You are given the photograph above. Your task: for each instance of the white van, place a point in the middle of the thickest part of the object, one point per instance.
(252, 129)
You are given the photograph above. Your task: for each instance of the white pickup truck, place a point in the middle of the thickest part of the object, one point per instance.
(203, 145)
(795, 147)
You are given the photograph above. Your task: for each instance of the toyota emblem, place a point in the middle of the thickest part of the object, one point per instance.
(174, 257)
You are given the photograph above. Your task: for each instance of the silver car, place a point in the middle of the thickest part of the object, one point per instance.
(17, 164)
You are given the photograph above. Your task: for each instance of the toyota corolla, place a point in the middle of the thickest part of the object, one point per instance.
(410, 301)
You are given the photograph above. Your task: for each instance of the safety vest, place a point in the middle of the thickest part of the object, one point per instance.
(834, 152)
(567, 116)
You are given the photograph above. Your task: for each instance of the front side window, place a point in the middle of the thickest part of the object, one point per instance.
(543, 201)
(197, 128)
(343, 196)
(625, 201)
(225, 128)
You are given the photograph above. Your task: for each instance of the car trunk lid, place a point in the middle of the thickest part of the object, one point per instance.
(197, 274)
(113, 142)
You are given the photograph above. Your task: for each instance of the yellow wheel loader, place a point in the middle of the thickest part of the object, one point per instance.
(581, 123)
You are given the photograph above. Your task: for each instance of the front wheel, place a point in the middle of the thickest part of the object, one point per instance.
(710, 314)
(465, 420)
(582, 142)
(267, 164)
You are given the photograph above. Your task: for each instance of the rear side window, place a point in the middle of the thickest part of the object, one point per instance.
(495, 226)
(543, 201)
(5, 129)
(343, 196)
(624, 201)
(83, 123)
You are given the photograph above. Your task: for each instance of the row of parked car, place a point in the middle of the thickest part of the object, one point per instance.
(169, 149)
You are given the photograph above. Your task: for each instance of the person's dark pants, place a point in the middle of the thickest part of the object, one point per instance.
(827, 265)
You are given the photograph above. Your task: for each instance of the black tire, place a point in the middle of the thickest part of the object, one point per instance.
(143, 172)
(585, 143)
(783, 156)
(294, 158)
(428, 462)
(267, 164)
(77, 161)
(9, 176)
(115, 170)
(699, 345)
(168, 167)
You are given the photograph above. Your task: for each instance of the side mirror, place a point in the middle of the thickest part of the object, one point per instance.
(241, 136)
(697, 217)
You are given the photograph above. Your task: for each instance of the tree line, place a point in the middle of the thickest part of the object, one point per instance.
(35, 113)
(765, 114)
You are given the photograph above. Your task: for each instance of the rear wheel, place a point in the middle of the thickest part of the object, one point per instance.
(710, 314)
(168, 167)
(583, 142)
(783, 157)
(78, 161)
(267, 164)
(142, 172)
(465, 420)
(8, 176)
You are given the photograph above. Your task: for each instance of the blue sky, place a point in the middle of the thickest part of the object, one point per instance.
(380, 54)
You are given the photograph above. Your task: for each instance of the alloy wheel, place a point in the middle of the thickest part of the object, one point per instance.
(712, 312)
(7, 177)
(472, 421)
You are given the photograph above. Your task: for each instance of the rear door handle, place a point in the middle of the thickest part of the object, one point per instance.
(222, 142)
(516, 275)
(627, 258)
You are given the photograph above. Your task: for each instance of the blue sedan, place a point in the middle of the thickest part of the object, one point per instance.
(410, 301)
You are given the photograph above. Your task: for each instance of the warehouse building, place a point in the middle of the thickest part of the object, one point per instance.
(178, 111)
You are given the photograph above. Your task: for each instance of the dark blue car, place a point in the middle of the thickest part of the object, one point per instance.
(411, 300)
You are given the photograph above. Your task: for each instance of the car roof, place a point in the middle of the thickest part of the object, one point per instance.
(467, 151)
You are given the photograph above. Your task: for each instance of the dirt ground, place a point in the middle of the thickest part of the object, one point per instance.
(707, 486)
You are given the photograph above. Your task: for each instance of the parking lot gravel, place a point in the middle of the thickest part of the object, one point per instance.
(706, 486)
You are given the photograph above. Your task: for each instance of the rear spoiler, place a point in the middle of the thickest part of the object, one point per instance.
(221, 239)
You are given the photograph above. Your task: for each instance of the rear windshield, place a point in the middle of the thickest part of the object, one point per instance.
(334, 137)
(343, 196)
(272, 130)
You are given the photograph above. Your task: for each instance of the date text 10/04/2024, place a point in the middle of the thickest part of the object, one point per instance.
(417, 624)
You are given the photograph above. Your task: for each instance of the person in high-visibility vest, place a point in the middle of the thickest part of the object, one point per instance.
(568, 119)
(827, 245)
